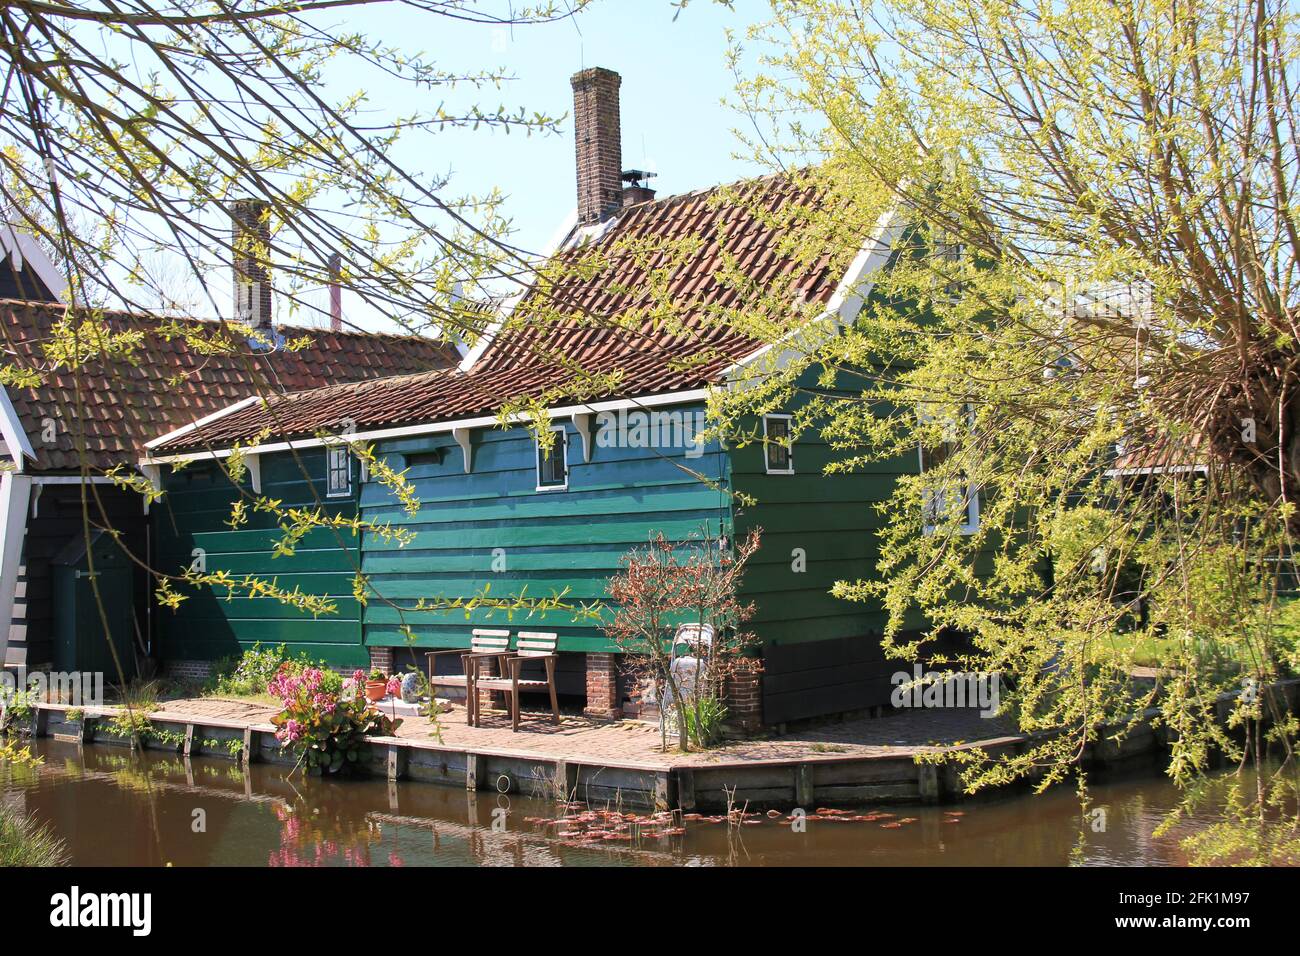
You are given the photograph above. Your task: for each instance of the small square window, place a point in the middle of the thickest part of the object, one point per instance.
(553, 462)
(778, 453)
(338, 471)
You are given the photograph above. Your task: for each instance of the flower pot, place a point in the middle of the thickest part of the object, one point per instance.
(376, 690)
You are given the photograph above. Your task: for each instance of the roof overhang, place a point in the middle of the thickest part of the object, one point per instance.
(432, 428)
(840, 310)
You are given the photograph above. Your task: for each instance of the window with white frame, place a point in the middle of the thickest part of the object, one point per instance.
(778, 450)
(553, 461)
(955, 498)
(338, 471)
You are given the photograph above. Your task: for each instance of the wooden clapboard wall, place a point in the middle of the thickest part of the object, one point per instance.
(194, 514)
(541, 541)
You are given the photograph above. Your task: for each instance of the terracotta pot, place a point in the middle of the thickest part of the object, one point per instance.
(376, 690)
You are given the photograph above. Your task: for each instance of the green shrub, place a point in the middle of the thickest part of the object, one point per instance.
(704, 719)
(249, 674)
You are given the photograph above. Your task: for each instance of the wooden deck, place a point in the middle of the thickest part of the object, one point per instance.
(598, 762)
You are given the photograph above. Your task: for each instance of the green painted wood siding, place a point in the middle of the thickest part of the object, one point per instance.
(193, 514)
(831, 518)
(548, 540)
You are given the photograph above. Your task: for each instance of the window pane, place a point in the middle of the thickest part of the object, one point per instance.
(339, 471)
(778, 443)
(551, 466)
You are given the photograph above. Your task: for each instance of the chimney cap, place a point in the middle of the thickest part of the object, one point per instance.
(583, 77)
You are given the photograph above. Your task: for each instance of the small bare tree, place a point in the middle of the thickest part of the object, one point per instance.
(666, 584)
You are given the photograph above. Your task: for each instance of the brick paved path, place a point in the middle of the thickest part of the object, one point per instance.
(629, 741)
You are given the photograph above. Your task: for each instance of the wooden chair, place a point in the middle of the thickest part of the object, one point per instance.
(484, 645)
(530, 646)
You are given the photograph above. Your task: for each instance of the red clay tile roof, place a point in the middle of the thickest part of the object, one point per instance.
(124, 405)
(675, 249)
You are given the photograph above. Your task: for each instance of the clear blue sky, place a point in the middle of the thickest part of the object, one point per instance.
(674, 79)
(674, 121)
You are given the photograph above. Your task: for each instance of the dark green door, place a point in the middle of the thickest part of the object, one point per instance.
(87, 629)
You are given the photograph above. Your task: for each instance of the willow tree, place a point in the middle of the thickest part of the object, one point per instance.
(131, 133)
(1090, 332)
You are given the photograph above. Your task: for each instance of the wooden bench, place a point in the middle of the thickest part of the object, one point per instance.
(484, 645)
(530, 646)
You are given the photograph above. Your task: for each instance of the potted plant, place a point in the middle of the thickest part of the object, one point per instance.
(377, 685)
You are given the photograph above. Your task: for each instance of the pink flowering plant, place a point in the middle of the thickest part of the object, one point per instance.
(324, 720)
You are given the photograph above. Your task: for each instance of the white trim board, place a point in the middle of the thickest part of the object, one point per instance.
(841, 309)
(11, 427)
(15, 498)
(559, 239)
(205, 420)
(23, 250)
(436, 428)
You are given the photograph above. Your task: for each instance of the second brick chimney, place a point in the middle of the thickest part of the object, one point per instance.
(250, 256)
(599, 144)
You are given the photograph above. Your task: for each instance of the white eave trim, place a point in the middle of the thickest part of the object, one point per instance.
(11, 428)
(435, 428)
(205, 420)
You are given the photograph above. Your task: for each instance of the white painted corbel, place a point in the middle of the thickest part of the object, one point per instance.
(582, 422)
(254, 463)
(36, 498)
(154, 474)
(467, 450)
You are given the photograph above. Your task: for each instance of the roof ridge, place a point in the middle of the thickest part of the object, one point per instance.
(159, 318)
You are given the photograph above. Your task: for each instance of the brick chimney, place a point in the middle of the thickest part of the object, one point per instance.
(599, 143)
(250, 255)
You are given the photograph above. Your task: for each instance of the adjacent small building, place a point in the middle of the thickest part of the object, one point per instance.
(64, 435)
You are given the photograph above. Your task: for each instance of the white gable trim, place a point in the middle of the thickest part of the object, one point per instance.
(11, 428)
(24, 251)
(200, 422)
(436, 428)
(841, 309)
(15, 495)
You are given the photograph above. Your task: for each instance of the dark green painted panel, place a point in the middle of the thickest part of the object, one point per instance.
(207, 625)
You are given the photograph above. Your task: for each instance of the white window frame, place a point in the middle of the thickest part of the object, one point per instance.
(331, 469)
(767, 465)
(562, 443)
(970, 489)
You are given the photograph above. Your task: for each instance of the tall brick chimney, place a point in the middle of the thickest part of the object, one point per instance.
(250, 255)
(599, 143)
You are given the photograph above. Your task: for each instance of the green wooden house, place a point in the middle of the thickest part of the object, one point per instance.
(500, 509)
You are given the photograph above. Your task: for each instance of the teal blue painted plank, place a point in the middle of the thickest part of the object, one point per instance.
(630, 501)
(603, 559)
(444, 537)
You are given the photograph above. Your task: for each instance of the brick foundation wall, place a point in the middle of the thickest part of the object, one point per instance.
(188, 670)
(744, 699)
(602, 686)
(381, 657)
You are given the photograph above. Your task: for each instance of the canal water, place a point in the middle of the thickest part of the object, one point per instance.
(115, 808)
